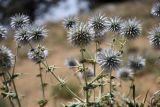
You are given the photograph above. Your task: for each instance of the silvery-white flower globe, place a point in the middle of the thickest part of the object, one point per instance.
(6, 59)
(3, 33)
(125, 73)
(114, 24)
(98, 23)
(109, 59)
(80, 36)
(38, 54)
(156, 9)
(154, 37)
(131, 29)
(70, 22)
(19, 21)
(71, 62)
(136, 62)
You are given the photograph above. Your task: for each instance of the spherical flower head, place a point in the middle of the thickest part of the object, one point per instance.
(89, 73)
(109, 59)
(98, 23)
(125, 73)
(22, 36)
(71, 63)
(38, 54)
(37, 33)
(70, 22)
(6, 59)
(154, 37)
(80, 36)
(136, 62)
(19, 21)
(3, 33)
(99, 37)
(131, 29)
(156, 9)
(114, 24)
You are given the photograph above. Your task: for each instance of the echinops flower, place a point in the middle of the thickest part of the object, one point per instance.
(3, 33)
(6, 59)
(37, 33)
(114, 24)
(136, 62)
(71, 63)
(70, 22)
(22, 36)
(154, 37)
(19, 21)
(80, 36)
(109, 59)
(89, 73)
(98, 23)
(38, 54)
(125, 73)
(131, 29)
(156, 9)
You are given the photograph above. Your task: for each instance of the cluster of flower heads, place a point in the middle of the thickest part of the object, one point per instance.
(156, 9)
(80, 34)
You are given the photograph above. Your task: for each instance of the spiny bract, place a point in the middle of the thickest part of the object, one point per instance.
(3, 33)
(156, 9)
(71, 62)
(70, 22)
(125, 73)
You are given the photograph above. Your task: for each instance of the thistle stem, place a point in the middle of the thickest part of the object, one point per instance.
(42, 83)
(85, 77)
(15, 89)
(133, 93)
(110, 88)
(10, 100)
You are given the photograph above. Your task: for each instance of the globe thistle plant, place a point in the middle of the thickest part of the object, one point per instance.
(125, 73)
(38, 54)
(3, 33)
(131, 29)
(156, 9)
(108, 59)
(37, 33)
(71, 63)
(114, 24)
(22, 36)
(98, 23)
(19, 21)
(154, 37)
(136, 62)
(70, 22)
(80, 36)
(89, 73)
(6, 59)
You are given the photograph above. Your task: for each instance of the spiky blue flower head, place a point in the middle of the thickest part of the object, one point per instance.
(37, 33)
(71, 63)
(109, 59)
(136, 62)
(98, 23)
(125, 73)
(6, 59)
(99, 37)
(3, 33)
(154, 37)
(70, 22)
(22, 36)
(156, 9)
(80, 36)
(131, 29)
(38, 54)
(19, 21)
(89, 73)
(114, 24)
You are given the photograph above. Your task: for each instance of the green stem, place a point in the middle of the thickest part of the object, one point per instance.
(42, 83)
(15, 89)
(110, 88)
(10, 100)
(85, 77)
